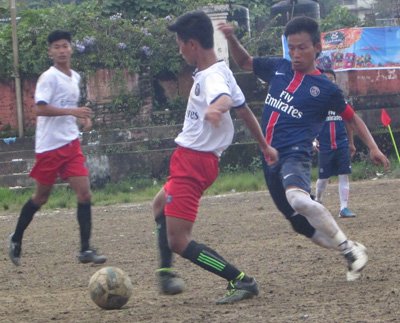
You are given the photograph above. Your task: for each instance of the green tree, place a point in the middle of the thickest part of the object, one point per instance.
(326, 7)
(339, 18)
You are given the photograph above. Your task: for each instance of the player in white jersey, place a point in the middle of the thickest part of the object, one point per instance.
(57, 147)
(207, 132)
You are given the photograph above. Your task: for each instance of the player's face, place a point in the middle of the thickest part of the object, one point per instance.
(60, 51)
(186, 49)
(303, 52)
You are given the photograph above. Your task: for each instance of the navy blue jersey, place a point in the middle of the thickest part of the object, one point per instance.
(296, 105)
(333, 134)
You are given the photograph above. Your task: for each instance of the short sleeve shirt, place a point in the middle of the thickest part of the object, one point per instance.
(62, 91)
(209, 85)
(333, 134)
(296, 104)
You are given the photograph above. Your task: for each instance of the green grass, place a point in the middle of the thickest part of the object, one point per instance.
(143, 190)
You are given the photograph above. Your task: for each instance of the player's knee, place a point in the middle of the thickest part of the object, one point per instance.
(40, 200)
(301, 225)
(177, 241)
(299, 200)
(158, 205)
(176, 245)
(84, 197)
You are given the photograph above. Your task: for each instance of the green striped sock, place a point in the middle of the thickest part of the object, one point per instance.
(210, 260)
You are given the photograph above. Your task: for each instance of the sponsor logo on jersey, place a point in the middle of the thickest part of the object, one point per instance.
(193, 115)
(333, 117)
(282, 104)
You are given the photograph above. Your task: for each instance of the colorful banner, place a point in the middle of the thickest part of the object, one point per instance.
(358, 49)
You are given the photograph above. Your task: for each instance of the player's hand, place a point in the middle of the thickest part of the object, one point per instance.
(213, 115)
(378, 158)
(271, 155)
(353, 150)
(82, 112)
(227, 29)
(86, 124)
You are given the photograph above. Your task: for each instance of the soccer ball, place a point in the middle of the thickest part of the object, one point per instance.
(110, 288)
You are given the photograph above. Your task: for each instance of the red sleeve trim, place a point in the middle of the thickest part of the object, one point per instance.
(348, 113)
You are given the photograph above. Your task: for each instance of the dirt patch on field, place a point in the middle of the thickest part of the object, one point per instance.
(299, 282)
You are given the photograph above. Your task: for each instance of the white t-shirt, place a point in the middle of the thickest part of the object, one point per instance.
(209, 85)
(62, 91)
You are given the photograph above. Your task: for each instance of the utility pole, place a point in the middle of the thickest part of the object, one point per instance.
(20, 111)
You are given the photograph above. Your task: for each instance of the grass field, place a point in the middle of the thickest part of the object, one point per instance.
(138, 190)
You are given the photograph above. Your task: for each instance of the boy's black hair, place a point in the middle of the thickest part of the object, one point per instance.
(329, 71)
(304, 24)
(58, 35)
(194, 25)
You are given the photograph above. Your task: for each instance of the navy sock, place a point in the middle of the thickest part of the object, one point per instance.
(84, 215)
(27, 212)
(163, 247)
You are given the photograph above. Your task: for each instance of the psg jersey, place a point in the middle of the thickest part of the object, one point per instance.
(296, 105)
(333, 134)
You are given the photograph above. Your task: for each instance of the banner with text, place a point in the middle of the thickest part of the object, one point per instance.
(358, 49)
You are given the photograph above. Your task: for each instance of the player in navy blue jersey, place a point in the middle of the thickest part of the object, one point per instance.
(298, 102)
(335, 147)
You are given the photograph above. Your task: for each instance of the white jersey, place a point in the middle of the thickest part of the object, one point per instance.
(209, 85)
(62, 91)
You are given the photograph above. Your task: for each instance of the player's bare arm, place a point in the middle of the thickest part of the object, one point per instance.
(215, 110)
(362, 131)
(48, 110)
(239, 53)
(350, 136)
(270, 153)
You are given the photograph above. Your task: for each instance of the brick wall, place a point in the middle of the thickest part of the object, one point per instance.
(8, 106)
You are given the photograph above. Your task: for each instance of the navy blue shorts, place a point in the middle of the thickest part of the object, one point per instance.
(293, 170)
(334, 162)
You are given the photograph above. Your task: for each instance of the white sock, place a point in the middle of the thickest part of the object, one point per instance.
(329, 234)
(320, 188)
(323, 240)
(344, 189)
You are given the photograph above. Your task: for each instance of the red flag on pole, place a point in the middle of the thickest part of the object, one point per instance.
(385, 118)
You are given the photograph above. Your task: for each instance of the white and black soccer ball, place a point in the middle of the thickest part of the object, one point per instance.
(110, 288)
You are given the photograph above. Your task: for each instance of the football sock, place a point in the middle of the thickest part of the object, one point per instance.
(320, 189)
(84, 216)
(344, 189)
(163, 247)
(210, 260)
(318, 216)
(27, 212)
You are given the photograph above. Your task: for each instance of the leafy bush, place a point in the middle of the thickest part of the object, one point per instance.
(99, 41)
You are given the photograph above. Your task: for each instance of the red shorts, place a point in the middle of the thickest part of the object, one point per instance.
(66, 161)
(191, 173)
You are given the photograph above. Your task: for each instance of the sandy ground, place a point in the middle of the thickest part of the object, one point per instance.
(299, 282)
